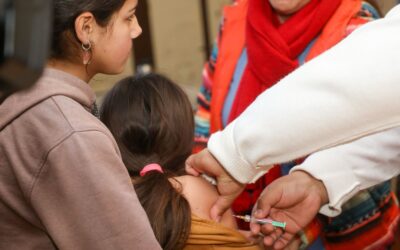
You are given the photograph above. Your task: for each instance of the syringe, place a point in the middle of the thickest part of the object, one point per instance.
(248, 218)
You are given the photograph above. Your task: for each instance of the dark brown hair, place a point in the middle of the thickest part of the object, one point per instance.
(152, 121)
(65, 43)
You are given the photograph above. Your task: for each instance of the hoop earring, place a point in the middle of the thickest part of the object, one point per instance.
(86, 47)
(87, 53)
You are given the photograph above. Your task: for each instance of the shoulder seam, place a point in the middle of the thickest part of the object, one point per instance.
(43, 163)
(62, 113)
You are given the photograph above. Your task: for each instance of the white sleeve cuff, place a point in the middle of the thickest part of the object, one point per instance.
(223, 148)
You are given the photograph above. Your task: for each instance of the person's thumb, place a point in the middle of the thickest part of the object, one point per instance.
(190, 166)
(268, 199)
(222, 204)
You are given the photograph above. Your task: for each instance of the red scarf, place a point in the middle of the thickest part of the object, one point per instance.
(273, 48)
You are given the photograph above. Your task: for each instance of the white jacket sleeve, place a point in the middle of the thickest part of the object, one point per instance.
(347, 92)
(349, 168)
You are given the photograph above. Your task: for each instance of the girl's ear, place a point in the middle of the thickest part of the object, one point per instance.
(84, 25)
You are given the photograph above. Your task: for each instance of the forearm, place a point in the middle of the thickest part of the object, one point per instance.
(349, 168)
(338, 97)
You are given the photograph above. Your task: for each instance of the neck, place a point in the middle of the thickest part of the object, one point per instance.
(283, 18)
(71, 68)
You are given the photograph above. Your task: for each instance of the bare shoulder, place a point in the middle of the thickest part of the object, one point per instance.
(201, 195)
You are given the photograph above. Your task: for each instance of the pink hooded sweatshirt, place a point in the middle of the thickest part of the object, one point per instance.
(62, 181)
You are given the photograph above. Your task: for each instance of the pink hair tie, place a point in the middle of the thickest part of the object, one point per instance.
(151, 167)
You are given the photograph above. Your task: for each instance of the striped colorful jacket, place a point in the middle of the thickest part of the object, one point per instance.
(369, 219)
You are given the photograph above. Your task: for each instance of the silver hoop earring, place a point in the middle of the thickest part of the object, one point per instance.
(87, 53)
(86, 47)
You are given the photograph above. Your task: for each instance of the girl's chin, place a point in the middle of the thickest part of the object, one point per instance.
(115, 70)
(123, 65)
(116, 67)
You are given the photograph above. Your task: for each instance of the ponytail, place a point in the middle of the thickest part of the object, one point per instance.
(168, 211)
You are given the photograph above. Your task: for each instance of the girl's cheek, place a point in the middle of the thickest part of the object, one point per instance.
(125, 49)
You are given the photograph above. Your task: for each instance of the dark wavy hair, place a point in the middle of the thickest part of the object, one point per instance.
(151, 119)
(65, 44)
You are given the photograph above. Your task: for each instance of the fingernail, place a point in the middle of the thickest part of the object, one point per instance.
(259, 213)
(255, 229)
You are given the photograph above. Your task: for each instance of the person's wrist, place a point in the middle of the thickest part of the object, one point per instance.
(322, 191)
(226, 177)
(316, 186)
(221, 171)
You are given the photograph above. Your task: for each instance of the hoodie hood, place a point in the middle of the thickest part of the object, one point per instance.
(52, 83)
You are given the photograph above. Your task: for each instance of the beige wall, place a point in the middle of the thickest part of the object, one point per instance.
(386, 4)
(178, 38)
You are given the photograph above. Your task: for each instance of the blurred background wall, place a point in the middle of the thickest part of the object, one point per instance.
(174, 40)
(174, 33)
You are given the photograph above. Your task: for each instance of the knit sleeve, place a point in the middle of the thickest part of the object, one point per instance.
(203, 112)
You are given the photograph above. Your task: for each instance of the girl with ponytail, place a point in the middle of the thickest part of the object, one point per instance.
(152, 121)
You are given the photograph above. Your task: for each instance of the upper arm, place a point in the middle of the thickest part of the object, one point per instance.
(84, 197)
(201, 195)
